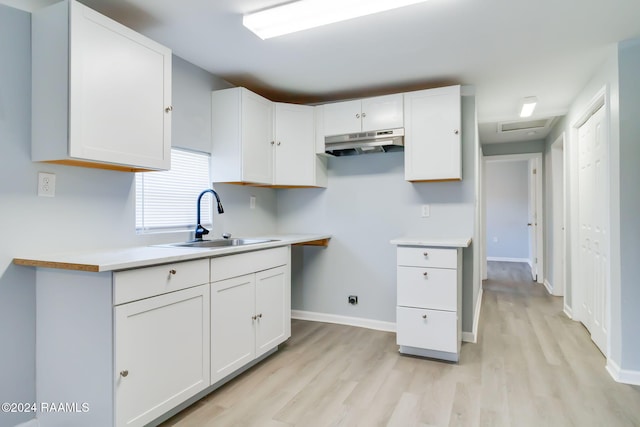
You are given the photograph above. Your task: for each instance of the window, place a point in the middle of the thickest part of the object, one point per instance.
(166, 201)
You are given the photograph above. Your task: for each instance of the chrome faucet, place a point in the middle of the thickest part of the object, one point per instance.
(200, 230)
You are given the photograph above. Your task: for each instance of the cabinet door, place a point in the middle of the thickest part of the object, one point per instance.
(232, 325)
(295, 145)
(119, 91)
(342, 117)
(257, 138)
(432, 135)
(382, 112)
(273, 309)
(161, 353)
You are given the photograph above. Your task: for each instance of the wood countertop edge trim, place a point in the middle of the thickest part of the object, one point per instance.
(319, 242)
(60, 265)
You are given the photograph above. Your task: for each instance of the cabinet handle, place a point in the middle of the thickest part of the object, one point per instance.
(168, 109)
(278, 143)
(357, 116)
(259, 315)
(364, 115)
(254, 317)
(273, 142)
(172, 272)
(426, 254)
(424, 316)
(456, 131)
(124, 373)
(425, 274)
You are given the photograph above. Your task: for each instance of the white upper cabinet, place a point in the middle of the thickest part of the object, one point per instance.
(101, 92)
(432, 145)
(362, 115)
(256, 141)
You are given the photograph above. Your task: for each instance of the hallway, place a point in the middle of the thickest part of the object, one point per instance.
(532, 367)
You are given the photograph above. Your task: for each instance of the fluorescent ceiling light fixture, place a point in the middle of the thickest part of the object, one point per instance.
(528, 105)
(304, 14)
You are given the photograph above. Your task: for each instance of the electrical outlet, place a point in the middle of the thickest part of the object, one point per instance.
(46, 184)
(353, 299)
(426, 211)
(252, 202)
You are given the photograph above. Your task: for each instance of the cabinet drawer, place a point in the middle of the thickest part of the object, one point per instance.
(131, 285)
(428, 329)
(427, 257)
(229, 266)
(434, 288)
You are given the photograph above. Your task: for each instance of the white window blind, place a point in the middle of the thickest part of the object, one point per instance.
(167, 200)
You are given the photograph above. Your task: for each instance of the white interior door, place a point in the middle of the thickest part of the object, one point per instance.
(558, 194)
(593, 223)
(535, 219)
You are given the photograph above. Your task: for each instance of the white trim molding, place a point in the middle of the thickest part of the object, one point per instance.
(568, 311)
(472, 337)
(507, 259)
(548, 286)
(344, 320)
(625, 376)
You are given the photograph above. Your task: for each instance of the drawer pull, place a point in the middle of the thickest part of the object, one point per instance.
(426, 254)
(172, 272)
(425, 274)
(424, 316)
(124, 373)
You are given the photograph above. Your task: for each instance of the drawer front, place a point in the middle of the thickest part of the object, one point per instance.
(428, 329)
(226, 267)
(132, 285)
(434, 288)
(428, 257)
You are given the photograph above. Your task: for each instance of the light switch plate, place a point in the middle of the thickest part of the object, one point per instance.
(426, 211)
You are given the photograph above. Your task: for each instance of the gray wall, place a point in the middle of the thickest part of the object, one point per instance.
(507, 204)
(92, 209)
(629, 64)
(366, 204)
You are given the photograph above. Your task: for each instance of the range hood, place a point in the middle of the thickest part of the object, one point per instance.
(365, 142)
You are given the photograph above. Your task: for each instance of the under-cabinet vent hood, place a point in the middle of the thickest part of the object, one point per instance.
(365, 142)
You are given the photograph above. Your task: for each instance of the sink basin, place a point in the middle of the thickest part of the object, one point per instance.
(220, 243)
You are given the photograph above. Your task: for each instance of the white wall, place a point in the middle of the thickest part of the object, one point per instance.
(367, 203)
(92, 208)
(507, 199)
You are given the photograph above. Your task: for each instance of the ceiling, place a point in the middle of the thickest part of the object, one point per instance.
(506, 49)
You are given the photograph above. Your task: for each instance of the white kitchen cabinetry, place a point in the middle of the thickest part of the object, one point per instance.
(433, 135)
(101, 92)
(256, 141)
(250, 308)
(428, 318)
(363, 115)
(161, 353)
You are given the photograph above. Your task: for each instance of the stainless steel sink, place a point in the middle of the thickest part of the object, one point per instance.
(219, 243)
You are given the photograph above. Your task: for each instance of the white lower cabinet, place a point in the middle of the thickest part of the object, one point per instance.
(161, 353)
(428, 316)
(250, 313)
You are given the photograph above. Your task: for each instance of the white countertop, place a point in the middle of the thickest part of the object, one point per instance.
(459, 242)
(143, 256)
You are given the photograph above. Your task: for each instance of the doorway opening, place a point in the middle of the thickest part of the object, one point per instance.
(513, 226)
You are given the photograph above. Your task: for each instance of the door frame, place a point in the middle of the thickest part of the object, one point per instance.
(537, 157)
(599, 100)
(559, 167)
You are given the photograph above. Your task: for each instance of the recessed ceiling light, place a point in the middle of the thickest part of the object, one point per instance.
(304, 14)
(528, 105)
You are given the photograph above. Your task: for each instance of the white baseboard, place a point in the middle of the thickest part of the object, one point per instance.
(625, 376)
(344, 320)
(568, 311)
(472, 337)
(506, 259)
(33, 422)
(548, 286)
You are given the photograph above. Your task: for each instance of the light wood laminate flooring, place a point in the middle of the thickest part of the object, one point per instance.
(532, 366)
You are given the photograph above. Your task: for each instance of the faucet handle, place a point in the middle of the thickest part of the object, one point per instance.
(226, 235)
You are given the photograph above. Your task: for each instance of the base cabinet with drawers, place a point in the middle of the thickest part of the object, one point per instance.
(134, 345)
(429, 300)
